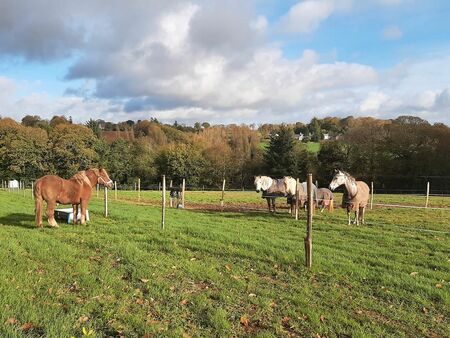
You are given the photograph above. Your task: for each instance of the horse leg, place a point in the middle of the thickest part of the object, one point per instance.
(38, 211)
(51, 205)
(357, 215)
(268, 203)
(83, 212)
(75, 213)
(273, 205)
(348, 216)
(363, 212)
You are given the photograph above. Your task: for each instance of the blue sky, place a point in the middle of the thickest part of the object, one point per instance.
(225, 62)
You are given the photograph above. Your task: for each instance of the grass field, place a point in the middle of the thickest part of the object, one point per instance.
(313, 147)
(223, 274)
(251, 197)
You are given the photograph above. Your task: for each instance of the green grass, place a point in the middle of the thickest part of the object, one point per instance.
(251, 197)
(209, 273)
(313, 147)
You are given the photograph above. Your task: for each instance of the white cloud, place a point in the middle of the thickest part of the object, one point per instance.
(392, 33)
(305, 16)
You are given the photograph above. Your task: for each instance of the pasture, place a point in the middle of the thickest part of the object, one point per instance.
(233, 273)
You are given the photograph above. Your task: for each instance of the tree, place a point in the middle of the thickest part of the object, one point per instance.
(316, 130)
(332, 155)
(56, 120)
(31, 120)
(95, 127)
(23, 151)
(73, 149)
(280, 155)
(181, 161)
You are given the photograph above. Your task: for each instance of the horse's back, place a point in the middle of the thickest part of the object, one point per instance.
(324, 194)
(48, 185)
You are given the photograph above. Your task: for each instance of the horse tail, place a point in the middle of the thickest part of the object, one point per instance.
(38, 203)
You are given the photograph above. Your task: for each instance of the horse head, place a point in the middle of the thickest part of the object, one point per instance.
(262, 183)
(103, 178)
(258, 183)
(338, 179)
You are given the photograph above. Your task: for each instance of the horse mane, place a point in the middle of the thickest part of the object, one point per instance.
(350, 177)
(82, 178)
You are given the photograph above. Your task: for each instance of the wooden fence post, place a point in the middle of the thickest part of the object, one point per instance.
(223, 193)
(183, 188)
(428, 194)
(308, 238)
(32, 189)
(163, 216)
(139, 189)
(115, 190)
(170, 196)
(297, 198)
(371, 195)
(105, 201)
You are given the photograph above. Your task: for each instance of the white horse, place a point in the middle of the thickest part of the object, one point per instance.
(271, 188)
(291, 186)
(356, 195)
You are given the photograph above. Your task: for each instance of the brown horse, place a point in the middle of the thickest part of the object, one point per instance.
(76, 191)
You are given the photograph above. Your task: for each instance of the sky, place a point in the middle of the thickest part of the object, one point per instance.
(231, 61)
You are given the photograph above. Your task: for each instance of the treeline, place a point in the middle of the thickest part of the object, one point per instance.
(396, 153)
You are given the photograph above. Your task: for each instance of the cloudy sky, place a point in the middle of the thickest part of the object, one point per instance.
(225, 61)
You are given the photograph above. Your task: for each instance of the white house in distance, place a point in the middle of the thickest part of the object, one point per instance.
(13, 184)
(299, 136)
(326, 136)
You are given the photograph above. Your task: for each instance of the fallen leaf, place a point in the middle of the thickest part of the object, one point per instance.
(184, 302)
(244, 321)
(414, 274)
(185, 335)
(359, 312)
(273, 304)
(193, 259)
(251, 295)
(143, 280)
(425, 310)
(439, 285)
(140, 301)
(27, 326)
(11, 321)
(50, 291)
(83, 319)
(303, 317)
(285, 320)
(322, 318)
(228, 267)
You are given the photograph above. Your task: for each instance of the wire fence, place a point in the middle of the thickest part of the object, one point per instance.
(388, 198)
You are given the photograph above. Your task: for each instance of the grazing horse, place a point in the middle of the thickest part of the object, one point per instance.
(271, 188)
(325, 199)
(356, 195)
(76, 191)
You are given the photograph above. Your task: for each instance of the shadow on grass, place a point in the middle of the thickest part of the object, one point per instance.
(19, 220)
(243, 213)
